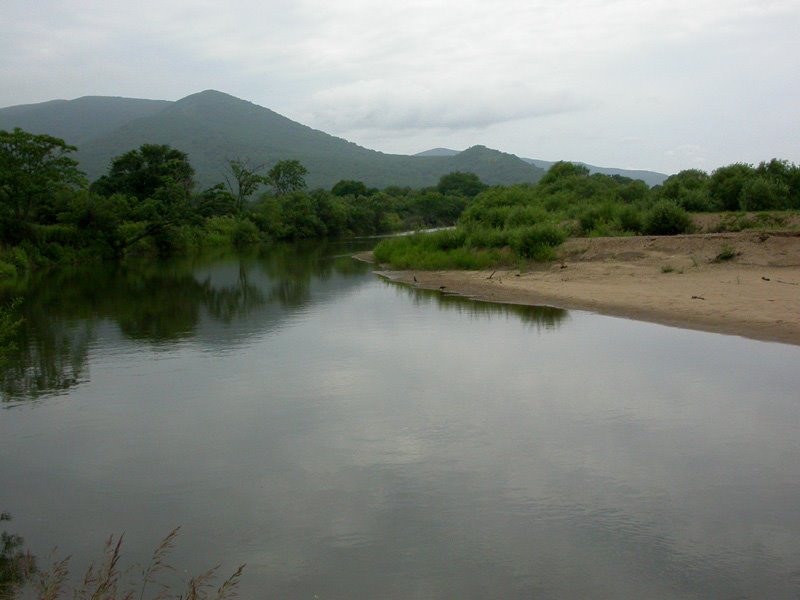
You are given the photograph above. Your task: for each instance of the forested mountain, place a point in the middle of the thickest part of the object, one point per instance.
(212, 127)
(81, 120)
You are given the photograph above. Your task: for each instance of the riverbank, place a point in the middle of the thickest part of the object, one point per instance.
(744, 284)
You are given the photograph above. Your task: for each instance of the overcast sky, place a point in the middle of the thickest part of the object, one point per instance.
(652, 84)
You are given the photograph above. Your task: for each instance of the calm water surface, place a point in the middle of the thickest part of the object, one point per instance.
(351, 438)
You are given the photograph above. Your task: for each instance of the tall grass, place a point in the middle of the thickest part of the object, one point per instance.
(471, 247)
(157, 581)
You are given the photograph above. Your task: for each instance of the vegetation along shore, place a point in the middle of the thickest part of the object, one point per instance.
(665, 254)
(574, 238)
(686, 281)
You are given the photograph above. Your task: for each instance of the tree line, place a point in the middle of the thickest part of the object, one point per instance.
(526, 222)
(147, 203)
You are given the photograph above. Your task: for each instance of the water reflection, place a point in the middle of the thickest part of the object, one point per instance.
(540, 317)
(16, 565)
(157, 303)
(349, 438)
(168, 302)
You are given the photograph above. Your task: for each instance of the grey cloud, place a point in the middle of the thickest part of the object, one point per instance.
(397, 105)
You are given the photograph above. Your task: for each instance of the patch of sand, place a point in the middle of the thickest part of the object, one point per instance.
(674, 280)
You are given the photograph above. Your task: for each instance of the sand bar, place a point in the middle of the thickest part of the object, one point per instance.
(677, 281)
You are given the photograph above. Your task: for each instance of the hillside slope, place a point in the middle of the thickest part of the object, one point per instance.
(213, 127)
(77, 121)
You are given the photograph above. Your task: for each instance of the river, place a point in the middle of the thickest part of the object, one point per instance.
(347, 437)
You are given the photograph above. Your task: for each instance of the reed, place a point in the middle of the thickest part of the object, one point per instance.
(107, 581)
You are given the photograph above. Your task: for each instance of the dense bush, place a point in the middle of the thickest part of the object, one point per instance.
(536, 241)
(667, 218)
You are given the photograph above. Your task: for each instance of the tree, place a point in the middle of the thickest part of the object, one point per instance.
(141, 172)
(242, 179)
(688, 189)
(562, 170)
(764, 193)
(784, 173)
(215, 201)
(33, 168)
(460, 184)
(287, 176)
(726, 183)
(349, 187)
(159, 179)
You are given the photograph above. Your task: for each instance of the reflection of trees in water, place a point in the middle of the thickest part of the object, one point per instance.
(291, 268)
(49, 357)
(226, 303)
(16, 564)
(541, 317)
(150, 301)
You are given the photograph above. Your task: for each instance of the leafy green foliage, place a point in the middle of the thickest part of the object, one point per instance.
(216, 201)
(243, 180)
(727, 252)
(438, 250)
(460, 184)
(536, 241)
(33, 168)
(563, 170)
(764, 193)
(688, 189)
(666, 218)
(726, 183)
(287, 176)
(10, 322)
(145, 204)
(349, 187)
(141, 173)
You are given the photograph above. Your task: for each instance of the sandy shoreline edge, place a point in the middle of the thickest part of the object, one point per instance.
(676, 281)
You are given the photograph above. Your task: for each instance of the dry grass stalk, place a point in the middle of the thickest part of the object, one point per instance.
(105, 583)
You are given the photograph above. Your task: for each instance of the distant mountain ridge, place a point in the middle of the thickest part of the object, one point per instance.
(78, 121)
(213, 127)
(651, 178)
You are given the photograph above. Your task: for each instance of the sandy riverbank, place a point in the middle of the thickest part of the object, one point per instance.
(671, 280)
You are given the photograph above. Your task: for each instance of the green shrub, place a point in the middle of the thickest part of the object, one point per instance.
(521, 216)
(727, 252)
(530, 242)
(606, 229)
(438, 250)
(447, 239)
(18, 258)
(487, 238)
(630, 219)
(245, 233)
(761, 193)
(7, 270)
(595, 216)
(666, 218)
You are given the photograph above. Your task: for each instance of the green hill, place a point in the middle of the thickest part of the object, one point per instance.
(213, 127)
(81, 120)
